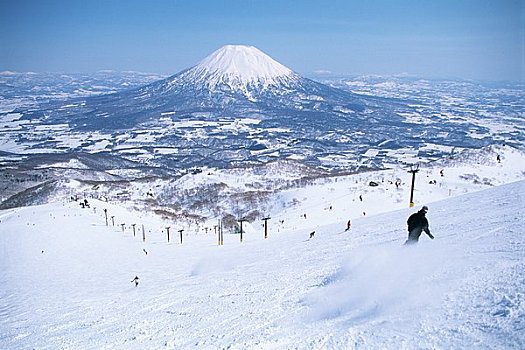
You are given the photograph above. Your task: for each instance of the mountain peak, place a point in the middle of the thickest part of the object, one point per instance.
(244, 61)
(240, 67)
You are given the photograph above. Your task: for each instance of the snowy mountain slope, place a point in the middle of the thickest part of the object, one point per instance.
(240, 68)
(71, 287)
(284, 189)
(35, 178)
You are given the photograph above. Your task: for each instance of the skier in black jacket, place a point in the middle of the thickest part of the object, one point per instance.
(417, 223)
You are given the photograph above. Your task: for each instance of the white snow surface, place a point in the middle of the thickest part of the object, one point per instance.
(240, 67)
(66, 279)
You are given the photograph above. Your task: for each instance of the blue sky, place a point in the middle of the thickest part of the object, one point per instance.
(472, 39)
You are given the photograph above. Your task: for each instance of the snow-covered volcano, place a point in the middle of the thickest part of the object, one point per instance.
(239, 68)
(235, 80)
(238, 74)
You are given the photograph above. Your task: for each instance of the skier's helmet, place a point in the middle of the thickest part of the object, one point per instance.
(424, 209)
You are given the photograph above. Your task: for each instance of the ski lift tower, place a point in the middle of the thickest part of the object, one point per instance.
(241, 220)
(413, 171)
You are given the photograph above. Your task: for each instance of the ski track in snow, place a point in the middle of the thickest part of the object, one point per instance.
(66, 282)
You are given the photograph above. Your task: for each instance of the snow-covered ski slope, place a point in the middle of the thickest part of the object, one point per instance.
(66, 281)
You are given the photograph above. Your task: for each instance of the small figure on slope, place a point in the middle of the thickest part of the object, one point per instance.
(417, 223)
(348, 225)
(136, 280)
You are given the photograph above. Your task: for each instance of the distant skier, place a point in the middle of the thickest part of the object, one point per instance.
(417, 223)
(136, 280)
(348, 225)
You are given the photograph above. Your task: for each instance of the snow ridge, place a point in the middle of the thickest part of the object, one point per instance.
(240, 68)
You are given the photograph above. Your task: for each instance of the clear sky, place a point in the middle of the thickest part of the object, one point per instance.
(473, 39)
